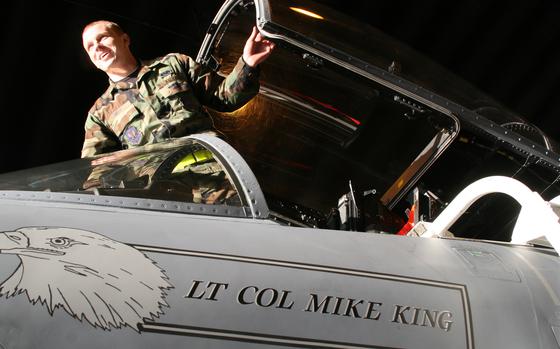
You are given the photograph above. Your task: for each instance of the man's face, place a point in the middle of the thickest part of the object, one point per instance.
(104, 46)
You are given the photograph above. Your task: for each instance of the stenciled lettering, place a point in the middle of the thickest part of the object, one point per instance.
(241, 294)
(337, 304)
(371, 310)
(357, 308)
(261, 297)
(265, 298)
(192, 291)
(416, 316)
(282, 303)
(211, 287)
(351, 307)
(270, 297)
(444, 320)
(398, 315)
(313, 305)
(429, 318)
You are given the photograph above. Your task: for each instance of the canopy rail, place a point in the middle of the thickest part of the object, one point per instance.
(536, 219)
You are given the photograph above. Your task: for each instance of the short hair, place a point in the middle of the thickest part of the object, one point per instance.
(110, 25)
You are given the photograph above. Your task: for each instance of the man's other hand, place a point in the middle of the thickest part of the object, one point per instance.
(256, 49)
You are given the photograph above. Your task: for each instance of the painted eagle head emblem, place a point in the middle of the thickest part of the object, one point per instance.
(93, 278)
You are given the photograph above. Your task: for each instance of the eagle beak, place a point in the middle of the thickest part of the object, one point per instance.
(12, 240)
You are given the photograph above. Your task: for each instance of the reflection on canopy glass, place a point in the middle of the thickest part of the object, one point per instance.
(183, 171)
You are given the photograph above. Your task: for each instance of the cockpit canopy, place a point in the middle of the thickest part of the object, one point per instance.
(319, 125)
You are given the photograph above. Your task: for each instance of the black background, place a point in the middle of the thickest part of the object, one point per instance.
(508, 50)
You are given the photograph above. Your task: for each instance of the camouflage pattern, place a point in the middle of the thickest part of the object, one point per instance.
(203, 180)
(166, 100)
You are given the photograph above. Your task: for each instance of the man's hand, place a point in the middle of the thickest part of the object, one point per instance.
(256, 49)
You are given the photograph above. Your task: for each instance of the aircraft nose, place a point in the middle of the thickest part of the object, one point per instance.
(13, 239)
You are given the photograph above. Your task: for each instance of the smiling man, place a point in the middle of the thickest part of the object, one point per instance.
(151, 101)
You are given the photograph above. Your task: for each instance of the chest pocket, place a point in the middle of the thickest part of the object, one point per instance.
(175, 92)
(122, 117)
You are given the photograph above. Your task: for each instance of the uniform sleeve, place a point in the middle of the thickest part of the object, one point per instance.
(223, 94)
(98, 139)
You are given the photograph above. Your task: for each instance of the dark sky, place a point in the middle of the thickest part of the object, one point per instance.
(510, 52)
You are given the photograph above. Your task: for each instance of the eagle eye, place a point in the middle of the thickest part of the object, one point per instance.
(14, 237)
(62, 242)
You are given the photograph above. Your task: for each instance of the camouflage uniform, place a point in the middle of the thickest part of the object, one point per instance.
(197, 178)
(165, 100)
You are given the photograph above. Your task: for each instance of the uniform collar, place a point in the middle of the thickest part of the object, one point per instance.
(143, 68)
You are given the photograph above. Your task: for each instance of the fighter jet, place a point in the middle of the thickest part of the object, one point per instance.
(366, 198)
